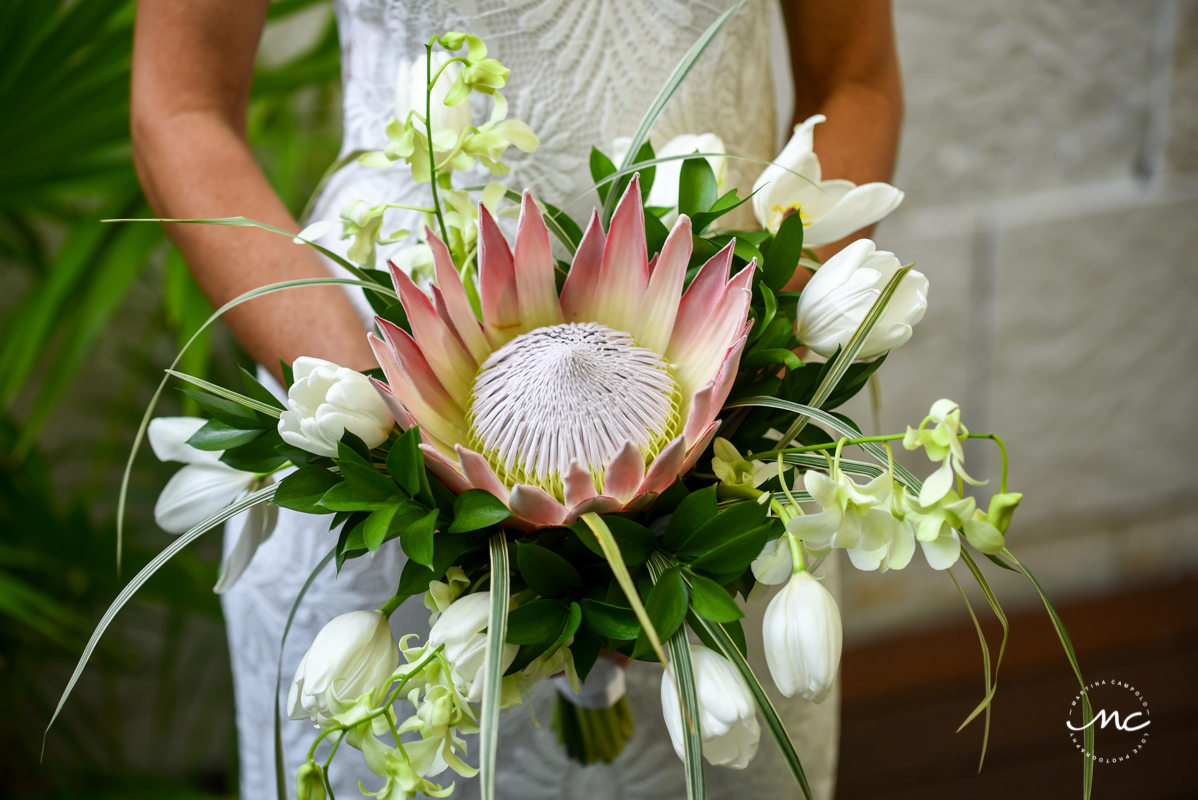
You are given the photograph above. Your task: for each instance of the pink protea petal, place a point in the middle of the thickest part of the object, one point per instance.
(698, 414)
(445, 470)
(445, 354)
(457, 306)
(697, 365)
(660, 304)
(443, 312)
(599, 505)
(693, 454)
(480, 474)
(534, 504)
(665, 468)
(402, 417)
(451, 428)
(535, 285)
(700, 301)
(416, 367)
(625, 271)
(578, 292)
(496, 282)
(578, 485)
(625, 473)
(728, 369)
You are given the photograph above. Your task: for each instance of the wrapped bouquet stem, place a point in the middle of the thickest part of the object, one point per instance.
(590, 443)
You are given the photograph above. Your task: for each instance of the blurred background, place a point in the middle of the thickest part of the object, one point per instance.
(1050, 160)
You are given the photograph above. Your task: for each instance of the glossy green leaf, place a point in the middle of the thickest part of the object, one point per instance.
(538, 621)
(784, 253)
(258, 455)
(361, 475)
(303, 489)
(477, 508)
(695, 511)
(697, 187)
(416, 538)
(216, 436)
(607, 620)
(545, 572)
(666, 606)
(711, 601)
(727, 526)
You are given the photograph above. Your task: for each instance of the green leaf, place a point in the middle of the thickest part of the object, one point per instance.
(477, 508)
(303, 489)
(727, 202)
(538, 621)
(656, 234)
(355, 444)
(763, 358)
(267, 413)
(697, 187)
(769, 714)
(405, 464)
(728, 561)
(360, 474)
(585, 650)
(256, 391)
(545, 572)
(635, 542)
(695, 511)
(666, 606)
(731, 524)
(611, 621)
(572, 625)
(232, 414)
(343, 497)
(784, 253)
(417, 539)
(258, 456)
(374, 531)
(493, 666)
(712, 602)
(416, 577)
(288, 374)
(216, 435)
(601, 167)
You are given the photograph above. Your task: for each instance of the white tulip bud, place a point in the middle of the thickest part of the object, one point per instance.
(728, 717)
(325, 401)
(352, 655)
(460, 629)
(841, 292)
(803, 636)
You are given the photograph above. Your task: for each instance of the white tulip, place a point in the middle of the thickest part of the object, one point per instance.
(204, 487)
(664, 193)
(352, 655)
(460, 628)
(410, 82)
(802, 637)
(728, 717)
(841, 292)
(327, 400)
(830, 210)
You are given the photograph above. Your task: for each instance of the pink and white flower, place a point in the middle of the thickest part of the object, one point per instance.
(596, 400)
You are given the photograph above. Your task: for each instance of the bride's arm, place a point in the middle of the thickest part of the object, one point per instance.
(192, 67)
(846, 67)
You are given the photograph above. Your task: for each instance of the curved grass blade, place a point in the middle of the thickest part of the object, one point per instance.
(611, 552)
(768, 712)
(844, 359)
(1067, 644)
(333, 169)
(145, 419)
(225, 514)
(989, 692)
(245, 222)
(488, 735)
(280, 768)
(667, 91)
(684, 672)
(901, 474)
(228, 394)
(991, 689)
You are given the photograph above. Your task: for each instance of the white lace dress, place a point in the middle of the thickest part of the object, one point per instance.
(583, 73)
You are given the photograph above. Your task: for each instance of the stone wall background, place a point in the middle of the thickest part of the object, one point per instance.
(1050, 160)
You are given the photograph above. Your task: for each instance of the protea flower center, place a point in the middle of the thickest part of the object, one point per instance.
(576, 392)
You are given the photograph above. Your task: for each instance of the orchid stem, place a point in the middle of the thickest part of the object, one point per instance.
(825, 446)
(1002, 448)
(428, 127)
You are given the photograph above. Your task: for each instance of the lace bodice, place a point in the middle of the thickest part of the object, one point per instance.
(583, 73)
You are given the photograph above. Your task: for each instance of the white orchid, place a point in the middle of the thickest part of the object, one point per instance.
(204, 487)
(802, 638)
(840, 294)
(934, 526)
(325, 401)
(727, 714)
(942, 443)
(830, 210)
(354, 654)
(731, 468)
(411, 81)
(664, 193)
(854, 517)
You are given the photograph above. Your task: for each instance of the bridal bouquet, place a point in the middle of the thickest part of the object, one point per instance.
(589, 442)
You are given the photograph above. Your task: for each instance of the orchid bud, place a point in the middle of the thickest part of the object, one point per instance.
(309, 782)
(326, 401)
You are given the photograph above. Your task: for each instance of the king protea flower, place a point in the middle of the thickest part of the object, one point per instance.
(596, 400)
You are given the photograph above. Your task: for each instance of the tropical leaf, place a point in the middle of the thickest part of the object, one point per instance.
(493, 665)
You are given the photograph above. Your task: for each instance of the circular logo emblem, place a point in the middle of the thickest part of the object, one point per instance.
(1121, 721)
